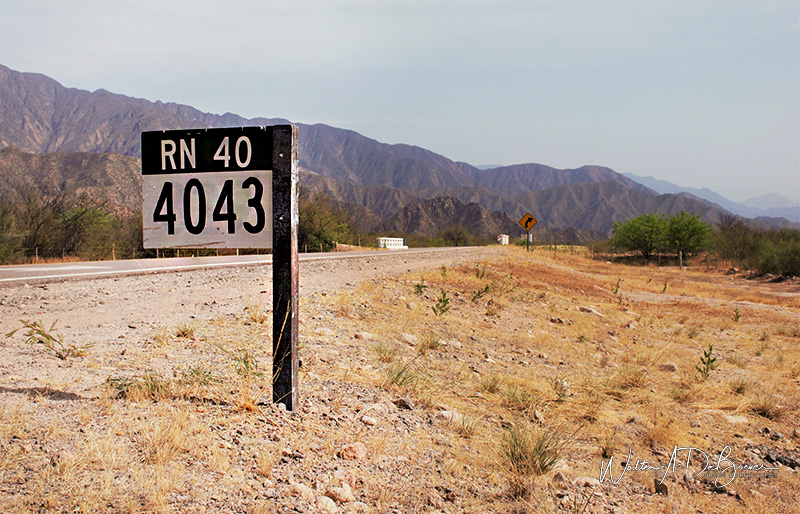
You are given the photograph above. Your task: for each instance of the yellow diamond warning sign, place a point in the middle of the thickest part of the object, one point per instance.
(527, 221)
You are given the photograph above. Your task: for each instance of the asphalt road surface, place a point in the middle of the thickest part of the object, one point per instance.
(44, 273)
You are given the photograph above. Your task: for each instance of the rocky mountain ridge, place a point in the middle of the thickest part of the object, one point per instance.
(40, 116)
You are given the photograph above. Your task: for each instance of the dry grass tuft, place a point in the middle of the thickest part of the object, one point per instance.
(629, 377)
(766, 405)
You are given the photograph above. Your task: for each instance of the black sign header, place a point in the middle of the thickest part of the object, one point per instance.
(207, 150)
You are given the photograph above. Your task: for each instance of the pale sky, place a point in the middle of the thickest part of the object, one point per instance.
(702, 93)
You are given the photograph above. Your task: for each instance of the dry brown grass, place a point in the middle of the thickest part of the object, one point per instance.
(536, 340)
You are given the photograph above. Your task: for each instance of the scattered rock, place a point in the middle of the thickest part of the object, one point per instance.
(369, 421)
(559, 479)
(301, 490)
(735, 419)
(287, 452)
(587, 482)
(327, 505)
(355, 451)
(342, 494)
(591, 310)
(411, 306)
(449, 416)
(380, 408)
(454, 344)
(409, 339)
(363, 336)
(405, 403)
(669, 367)
(435, 500)
(345, 476)
(661, 488)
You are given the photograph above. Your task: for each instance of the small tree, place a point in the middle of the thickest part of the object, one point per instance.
(646, 234)
(10, 236)
(456, 235)
(687, 233)
(320, 223)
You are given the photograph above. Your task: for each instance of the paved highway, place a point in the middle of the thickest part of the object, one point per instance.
(43, 273)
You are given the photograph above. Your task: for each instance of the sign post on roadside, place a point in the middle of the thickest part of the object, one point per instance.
(527, 223)
(232, 188)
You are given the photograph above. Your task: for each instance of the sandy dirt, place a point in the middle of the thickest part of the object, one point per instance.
(115, 314)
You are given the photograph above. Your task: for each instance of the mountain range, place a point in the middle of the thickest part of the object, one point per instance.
(89, 143)
(772, 205)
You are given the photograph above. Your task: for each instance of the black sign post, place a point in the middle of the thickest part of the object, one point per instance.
(285, 283)
(232, 188)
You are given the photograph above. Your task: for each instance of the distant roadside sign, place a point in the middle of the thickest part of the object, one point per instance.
(209, 188)
(527, 221)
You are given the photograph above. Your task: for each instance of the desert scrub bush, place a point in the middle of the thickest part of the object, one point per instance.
(403, 376)
(479, 293)
(186, 330)
(442, 305)
(520, 398)
(788, 330)
(608, 445)
(246, 366)
(737, 361)
(386, 352)
(629, 377)
(740, 385)
(37, 334)
(430, 341)
(467, 425)
(256, 314)
(684, 393)
(490, 383)
(766, 405)
(707, 363)
(195, 375)
(560, 388)
(150, 386)
(595, 398)
(663, 430)
(527, 451)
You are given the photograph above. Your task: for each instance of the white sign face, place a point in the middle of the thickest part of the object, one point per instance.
(230, 209)
(207, 188)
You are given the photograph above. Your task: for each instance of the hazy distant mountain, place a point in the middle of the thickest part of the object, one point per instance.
(40, 116)
(771, 205)
(520, 178)
(113, 180)
(771, 201)
(596, 205)
(429, 217)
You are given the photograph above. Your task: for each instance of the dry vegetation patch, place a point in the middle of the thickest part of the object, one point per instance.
(491, 386)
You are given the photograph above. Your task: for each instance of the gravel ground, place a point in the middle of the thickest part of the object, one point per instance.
(113, 313)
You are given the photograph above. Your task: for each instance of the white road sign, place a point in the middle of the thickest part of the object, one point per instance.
(207, 188)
